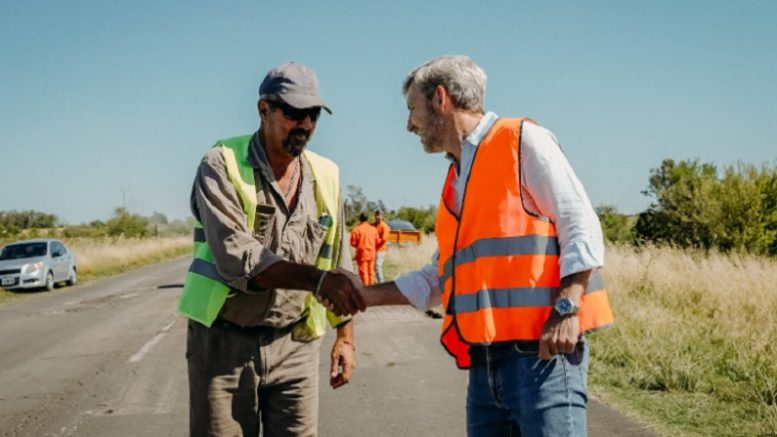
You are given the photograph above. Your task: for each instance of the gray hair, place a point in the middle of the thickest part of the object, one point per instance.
(464, 80)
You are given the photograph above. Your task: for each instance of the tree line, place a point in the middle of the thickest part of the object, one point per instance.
(356, 202)
(29, 224)
(695, 204)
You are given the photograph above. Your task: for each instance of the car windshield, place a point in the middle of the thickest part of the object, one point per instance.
(26, 250)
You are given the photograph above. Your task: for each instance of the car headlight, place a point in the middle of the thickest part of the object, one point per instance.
(32, 268)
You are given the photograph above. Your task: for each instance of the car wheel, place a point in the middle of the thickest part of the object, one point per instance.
(73, 279)
(49, 281)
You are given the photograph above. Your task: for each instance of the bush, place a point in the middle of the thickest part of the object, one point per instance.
(616, 227)
(423, 219)
(694, 207)
(126, 224)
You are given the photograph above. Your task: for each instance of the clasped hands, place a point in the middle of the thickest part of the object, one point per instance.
(341, 292)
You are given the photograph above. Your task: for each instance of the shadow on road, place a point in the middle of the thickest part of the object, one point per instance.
(169, 286)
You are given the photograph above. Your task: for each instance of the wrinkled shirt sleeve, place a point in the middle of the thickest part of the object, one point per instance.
(421, 287)
(553, 190)
(238, 256)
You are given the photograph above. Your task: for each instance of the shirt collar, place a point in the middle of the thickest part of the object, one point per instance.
(256, 156)
(484, 125)
(478, 133)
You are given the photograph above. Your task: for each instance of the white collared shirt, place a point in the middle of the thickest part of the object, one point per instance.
(550, 189)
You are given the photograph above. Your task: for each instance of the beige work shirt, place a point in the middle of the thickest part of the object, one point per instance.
(279, 234)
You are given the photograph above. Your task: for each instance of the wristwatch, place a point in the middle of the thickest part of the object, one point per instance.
(565, 307)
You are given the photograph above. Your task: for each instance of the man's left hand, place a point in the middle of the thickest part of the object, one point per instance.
(559, 335)
(343, 362)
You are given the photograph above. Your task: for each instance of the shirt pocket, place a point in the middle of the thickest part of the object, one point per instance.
(313, 239)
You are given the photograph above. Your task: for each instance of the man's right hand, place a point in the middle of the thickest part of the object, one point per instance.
(341, 291)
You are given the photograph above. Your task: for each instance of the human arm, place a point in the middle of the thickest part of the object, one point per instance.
(240, 259)
(334, 286)
(383, 236)
(237, 255)
(419, 288)
(355, 238)
(553, 190)
(343, 356)
(560, 333)
(385, 293)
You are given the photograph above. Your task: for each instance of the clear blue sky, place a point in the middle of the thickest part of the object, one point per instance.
(104, 103)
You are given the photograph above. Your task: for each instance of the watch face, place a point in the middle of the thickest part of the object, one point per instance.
(565, 306)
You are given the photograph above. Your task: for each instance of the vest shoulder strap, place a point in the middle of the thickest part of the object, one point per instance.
(326, 177)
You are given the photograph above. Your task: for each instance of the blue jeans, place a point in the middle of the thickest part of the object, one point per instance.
(513, 393)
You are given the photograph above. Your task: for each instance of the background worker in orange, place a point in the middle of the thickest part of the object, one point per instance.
(382, 245)
(364, 239)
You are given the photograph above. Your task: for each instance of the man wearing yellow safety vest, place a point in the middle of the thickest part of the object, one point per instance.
(268, 241)
(519, 249)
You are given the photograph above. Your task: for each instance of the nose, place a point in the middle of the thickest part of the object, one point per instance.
(410, 125)
(306, 123)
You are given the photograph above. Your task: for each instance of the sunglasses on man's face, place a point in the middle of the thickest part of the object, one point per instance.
(296, 114)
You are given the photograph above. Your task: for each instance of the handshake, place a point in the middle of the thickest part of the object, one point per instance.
(342, 292)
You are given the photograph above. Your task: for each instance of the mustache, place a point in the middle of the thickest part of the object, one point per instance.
(299, 132)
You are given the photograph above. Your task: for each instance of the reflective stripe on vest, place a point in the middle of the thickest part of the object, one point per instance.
(505, 246)
(205, 291)
(499, 264)
(515, 297)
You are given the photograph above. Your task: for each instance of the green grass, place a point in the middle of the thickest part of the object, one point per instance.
(675, 412)
(102, 271)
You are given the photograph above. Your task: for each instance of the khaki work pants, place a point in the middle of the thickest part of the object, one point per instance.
(242, 379)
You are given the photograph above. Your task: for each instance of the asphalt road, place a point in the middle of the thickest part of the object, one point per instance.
(107, 359)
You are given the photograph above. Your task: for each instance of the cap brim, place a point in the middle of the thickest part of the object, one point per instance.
(302, 101)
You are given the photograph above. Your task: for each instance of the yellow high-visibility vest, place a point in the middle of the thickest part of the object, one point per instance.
(205, 291)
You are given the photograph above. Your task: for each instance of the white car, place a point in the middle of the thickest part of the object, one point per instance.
(39, 263)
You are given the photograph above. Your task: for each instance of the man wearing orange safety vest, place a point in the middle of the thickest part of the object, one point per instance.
(364, 238)
(519, 253)
(382, 244)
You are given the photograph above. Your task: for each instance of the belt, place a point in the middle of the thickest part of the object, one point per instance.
(518, 345)
(252, 330)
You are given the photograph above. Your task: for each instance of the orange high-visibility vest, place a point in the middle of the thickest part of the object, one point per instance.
(499, 264)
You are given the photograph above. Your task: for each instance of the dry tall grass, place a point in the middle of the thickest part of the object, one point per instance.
(692, 351)
(404, 258)
(98, 257)
(696, 334)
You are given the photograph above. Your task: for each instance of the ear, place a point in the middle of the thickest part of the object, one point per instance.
(264, 109)
(441, 100)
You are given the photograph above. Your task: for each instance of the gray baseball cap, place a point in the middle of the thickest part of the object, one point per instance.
(293, 83)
